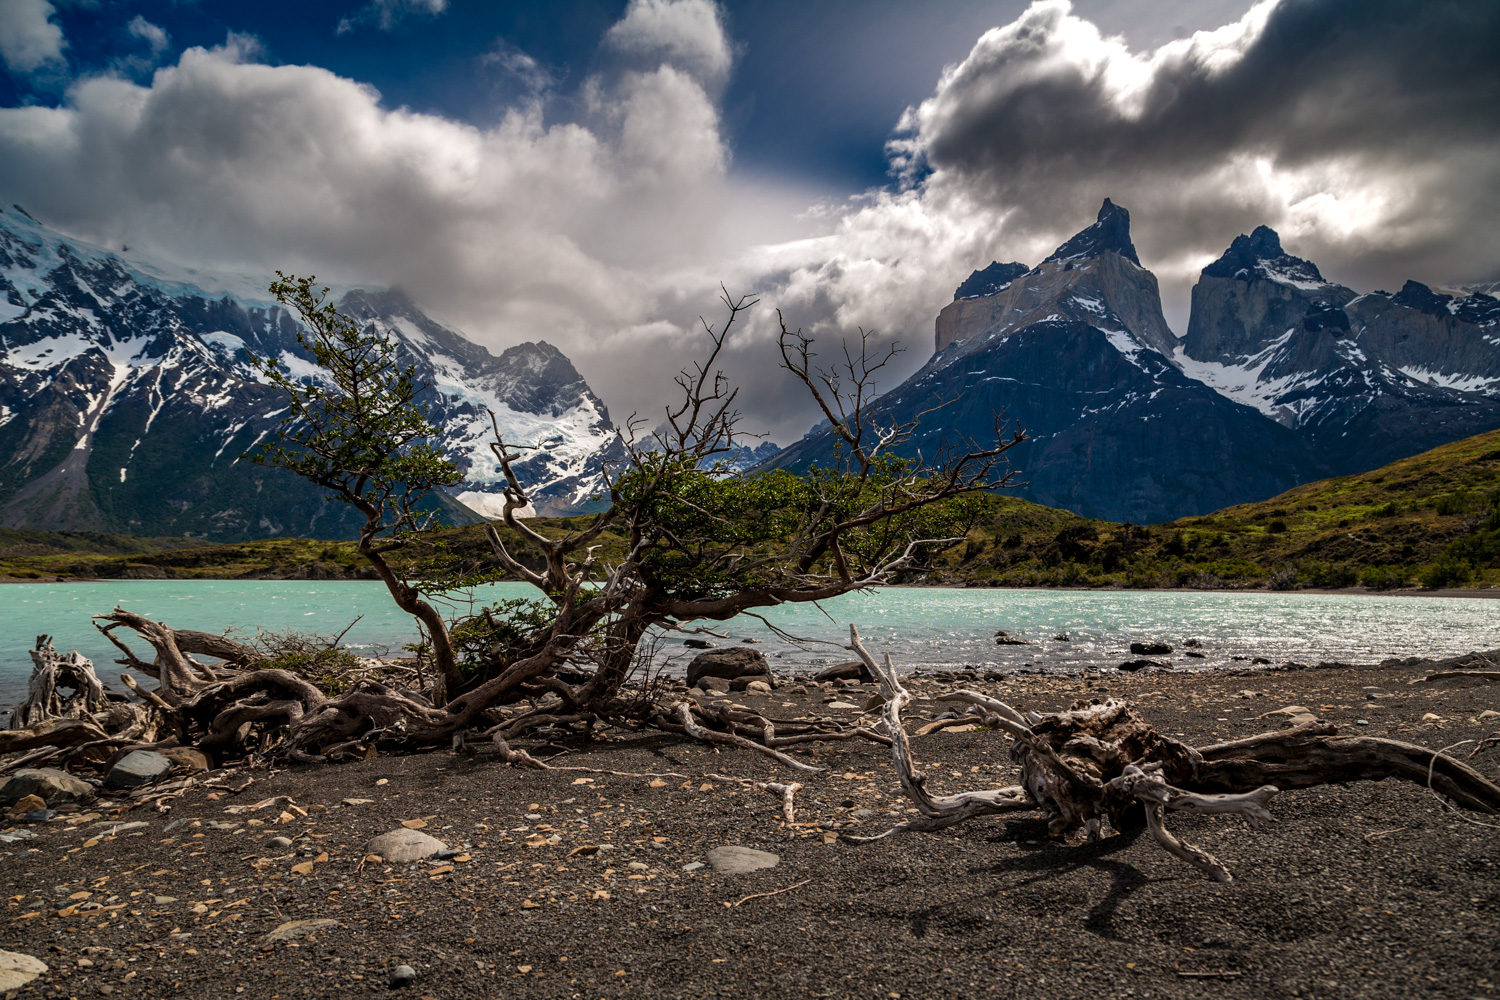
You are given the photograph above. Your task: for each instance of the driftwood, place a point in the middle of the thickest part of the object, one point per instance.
(52, 674)
(1099, 764)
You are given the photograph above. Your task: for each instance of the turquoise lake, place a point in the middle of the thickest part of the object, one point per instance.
(921, 627)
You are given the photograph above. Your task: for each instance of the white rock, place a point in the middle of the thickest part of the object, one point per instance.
(405, 845)
(16, 969)
(735, 860)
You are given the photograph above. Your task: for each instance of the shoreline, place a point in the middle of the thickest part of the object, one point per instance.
(1473, 593)
(593, 883)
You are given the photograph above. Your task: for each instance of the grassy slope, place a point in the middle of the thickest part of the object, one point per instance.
(1397, 526)
(1385, 528)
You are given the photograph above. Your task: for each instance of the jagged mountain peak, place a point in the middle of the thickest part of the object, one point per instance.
(989, 280)
(1260, 255)
(1110, 232)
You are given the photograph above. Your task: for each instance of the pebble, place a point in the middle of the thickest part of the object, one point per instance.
(736, 860)
(294, 929)
(163, 900)
(842, 704)
(402, 975)
(281, 843)
(693, 866)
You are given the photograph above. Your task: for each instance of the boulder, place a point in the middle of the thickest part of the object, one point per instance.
(1150, 648)
(49, 784)
(713, 685)
(405, 845)
(1130, 666)
(848, 670)
(139, 767)
(728, 663)
(697, 644)
(1004, 638)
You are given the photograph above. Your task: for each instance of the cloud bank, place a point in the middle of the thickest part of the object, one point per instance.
(1366, 132)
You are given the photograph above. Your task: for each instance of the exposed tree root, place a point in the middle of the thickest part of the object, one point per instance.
(1100, 764)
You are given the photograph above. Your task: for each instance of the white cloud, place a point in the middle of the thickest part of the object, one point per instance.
(28, 38)
(687, 34)
(153, 35)
(387, 14)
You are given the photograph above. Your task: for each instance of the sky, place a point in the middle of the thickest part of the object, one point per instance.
(590, 172)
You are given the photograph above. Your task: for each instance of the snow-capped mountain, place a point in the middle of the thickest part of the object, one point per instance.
(1367, 379)
(126, 400)
(1076, 349)
(1282, 377)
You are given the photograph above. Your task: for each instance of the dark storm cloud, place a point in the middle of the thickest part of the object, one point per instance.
(1369, 129)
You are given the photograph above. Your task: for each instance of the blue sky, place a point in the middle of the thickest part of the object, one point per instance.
(588, 172)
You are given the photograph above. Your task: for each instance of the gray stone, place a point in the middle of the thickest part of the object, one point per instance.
(294, 929)
(402, 975)
(842, 704)
(164, 900)
(405, 845)
(847, 670)
(16, 970)
(692, 866)
(1150, 648)
(735, 860)
(757, 687)
(47, 783)
(38, 816)
(735, 661)
(280, 843)
(140, 767)
(713, 685)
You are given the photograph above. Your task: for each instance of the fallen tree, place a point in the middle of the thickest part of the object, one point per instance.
(1099, 766)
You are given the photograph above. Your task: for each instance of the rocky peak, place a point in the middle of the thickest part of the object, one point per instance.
(987, 281)
(1260, 255)
(1415, 295)
(1110, 232)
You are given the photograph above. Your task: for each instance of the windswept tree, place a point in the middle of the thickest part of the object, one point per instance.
(359, 430)
(700, 544)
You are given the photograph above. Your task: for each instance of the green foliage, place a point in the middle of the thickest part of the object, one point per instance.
(1447, 571)
(510, 625)
(328, 669)
(358, 430)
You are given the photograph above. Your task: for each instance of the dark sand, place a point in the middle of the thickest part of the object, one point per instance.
(1367, 890)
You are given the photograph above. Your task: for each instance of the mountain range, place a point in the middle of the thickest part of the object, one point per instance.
(1281, 378)
(126, 399)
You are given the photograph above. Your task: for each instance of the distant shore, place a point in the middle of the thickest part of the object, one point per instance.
(1481, 593)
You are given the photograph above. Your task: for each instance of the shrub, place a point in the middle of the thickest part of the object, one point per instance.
(1383, 577)
(1276, 527)
(1448, 571)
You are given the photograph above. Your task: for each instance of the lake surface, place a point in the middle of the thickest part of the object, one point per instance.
(931, 628)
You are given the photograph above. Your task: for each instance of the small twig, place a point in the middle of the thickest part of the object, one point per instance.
(763, 895)
(1370, 837)
(1209, 975)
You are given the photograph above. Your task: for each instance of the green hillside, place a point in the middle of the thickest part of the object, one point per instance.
(1431, 520)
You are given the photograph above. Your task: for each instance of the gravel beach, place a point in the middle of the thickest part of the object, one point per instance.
(578, 884)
